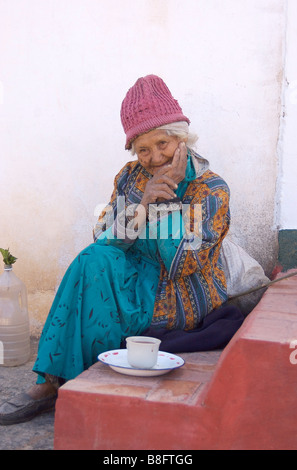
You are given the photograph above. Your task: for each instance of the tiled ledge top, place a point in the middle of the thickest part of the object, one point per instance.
(181, 385)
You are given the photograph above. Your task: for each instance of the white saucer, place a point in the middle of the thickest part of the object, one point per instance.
(117, 360)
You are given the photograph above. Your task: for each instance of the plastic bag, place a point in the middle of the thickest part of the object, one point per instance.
(242, 273)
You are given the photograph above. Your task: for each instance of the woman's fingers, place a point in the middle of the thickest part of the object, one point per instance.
(164, 178)
(162, 190)
(179, 163)
(163, 169)
(157, 191)
(176, 157)
(180, 156)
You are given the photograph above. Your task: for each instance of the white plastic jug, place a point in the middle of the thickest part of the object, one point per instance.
(14, 320)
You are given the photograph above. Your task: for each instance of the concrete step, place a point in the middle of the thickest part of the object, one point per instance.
(101, 395)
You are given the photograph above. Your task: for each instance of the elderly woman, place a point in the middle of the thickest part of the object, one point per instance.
(154, 267)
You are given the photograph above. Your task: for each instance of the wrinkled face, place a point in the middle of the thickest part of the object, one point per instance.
(155, 149)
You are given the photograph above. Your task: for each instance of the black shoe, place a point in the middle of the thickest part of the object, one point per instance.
(22, 408)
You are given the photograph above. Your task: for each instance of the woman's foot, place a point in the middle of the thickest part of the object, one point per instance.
(25, 406)
(44, 390)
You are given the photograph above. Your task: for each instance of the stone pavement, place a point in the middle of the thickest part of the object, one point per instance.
(37, 434)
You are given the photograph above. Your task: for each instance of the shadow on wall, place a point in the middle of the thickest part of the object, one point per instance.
(287, 257)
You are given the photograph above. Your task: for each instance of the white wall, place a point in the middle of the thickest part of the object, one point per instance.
(65, 66)
(287, 187)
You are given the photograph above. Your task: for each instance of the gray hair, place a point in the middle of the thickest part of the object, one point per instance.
(177, 129)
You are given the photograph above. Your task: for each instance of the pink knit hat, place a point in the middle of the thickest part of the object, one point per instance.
(147, 105)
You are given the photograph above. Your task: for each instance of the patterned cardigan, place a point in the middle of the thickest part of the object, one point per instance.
(192, 281)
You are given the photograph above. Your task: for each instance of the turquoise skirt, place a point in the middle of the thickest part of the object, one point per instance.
(106, 294)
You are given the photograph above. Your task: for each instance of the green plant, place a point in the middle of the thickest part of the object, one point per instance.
(7, 257)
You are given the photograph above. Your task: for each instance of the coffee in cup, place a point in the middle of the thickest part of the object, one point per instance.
(142, 351)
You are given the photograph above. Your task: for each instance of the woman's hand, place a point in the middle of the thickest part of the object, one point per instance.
(177, 169)
(160, 187)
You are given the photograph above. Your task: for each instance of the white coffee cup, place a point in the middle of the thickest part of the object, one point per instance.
(142, 351)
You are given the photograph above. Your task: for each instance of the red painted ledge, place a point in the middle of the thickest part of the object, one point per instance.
(242, 398)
